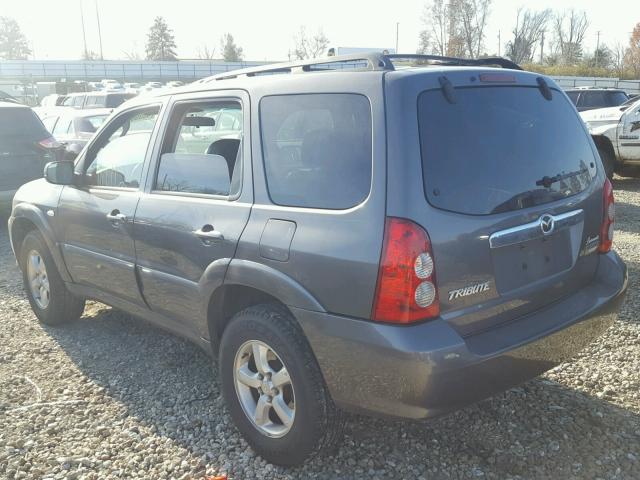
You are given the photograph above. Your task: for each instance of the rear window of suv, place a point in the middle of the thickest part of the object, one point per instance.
(499, 149)
(21, 122)
(317, 149)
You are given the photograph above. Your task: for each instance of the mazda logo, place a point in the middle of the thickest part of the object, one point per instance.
(547, 224)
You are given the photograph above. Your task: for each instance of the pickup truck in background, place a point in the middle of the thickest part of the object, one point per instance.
(616, 133)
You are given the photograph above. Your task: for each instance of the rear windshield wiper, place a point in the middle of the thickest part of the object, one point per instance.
(547, 181)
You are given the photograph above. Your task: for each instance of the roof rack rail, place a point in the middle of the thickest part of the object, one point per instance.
(372, 61)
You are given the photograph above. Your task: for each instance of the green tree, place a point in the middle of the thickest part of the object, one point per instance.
(230, 51)
(13, 43)
(161, 43)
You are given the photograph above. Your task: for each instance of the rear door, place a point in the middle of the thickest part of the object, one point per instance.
(509, 196)
(196, 204)
(22, 159)
(98, 216)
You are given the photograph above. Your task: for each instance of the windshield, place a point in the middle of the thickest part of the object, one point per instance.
(501, 148)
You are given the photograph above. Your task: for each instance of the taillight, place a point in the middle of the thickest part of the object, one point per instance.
(49, 143)
(608, 216)
(406, 290)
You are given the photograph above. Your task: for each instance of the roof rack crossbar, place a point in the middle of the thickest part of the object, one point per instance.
(375, 61)
(454, 61)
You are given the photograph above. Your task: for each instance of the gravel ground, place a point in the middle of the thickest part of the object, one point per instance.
(113, 397)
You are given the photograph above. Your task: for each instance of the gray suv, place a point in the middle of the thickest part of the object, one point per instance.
(342, 234)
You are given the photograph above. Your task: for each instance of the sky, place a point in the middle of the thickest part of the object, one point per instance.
(265, 29)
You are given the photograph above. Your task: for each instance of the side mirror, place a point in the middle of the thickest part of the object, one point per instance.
(59, 173)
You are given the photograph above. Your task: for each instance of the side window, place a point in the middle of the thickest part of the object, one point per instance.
(317, 149)
(49, 123)
(117, 157)
(78, 101)
(197, 157)
(573, 96)
(594, 100)
(68, 102)
(62, 127)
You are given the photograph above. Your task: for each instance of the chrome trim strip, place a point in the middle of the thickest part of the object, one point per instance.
(532, 230)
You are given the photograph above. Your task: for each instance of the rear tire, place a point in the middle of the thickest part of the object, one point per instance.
(633, 172)
(608, 161)
(315, 424)
(50, 300)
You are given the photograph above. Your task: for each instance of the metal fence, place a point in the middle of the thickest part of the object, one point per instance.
(630, 86)
(134, 71)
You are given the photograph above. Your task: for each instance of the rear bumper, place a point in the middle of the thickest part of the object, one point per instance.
(429, 369)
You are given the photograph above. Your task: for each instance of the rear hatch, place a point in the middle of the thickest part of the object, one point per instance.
(22, 159)
(510, 197)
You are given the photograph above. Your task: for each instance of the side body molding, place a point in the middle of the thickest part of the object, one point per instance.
(272, 281)
(37, 217)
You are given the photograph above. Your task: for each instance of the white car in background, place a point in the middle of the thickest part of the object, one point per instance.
(616, 133)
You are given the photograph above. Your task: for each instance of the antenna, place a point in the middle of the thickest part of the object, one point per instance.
(84, 34)
(95, 2)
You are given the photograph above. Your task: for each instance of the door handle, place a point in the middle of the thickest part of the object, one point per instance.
(208, 234)
(116, 217)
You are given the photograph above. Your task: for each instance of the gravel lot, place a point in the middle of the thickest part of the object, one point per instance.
(113, 397)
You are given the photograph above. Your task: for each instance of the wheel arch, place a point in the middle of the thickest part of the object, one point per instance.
(604, 142)
(250, 283)
(26, 218)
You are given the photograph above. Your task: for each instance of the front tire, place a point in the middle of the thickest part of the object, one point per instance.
(274, 389)
(50, 300)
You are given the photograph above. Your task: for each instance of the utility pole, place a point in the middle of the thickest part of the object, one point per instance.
(499, 42)
(597, 48)
(397, 35)
(542, 47)
(95, 2)
(84, 34)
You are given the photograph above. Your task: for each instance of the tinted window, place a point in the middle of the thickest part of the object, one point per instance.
(491, 150)
(21, 122)
(196, 156)
(594, 100)
(117, 157)
(616, 98)
(113, 100)
(317, 149)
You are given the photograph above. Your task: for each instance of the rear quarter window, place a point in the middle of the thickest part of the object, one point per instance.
(499, 149)
(21, 122)
(317, 149)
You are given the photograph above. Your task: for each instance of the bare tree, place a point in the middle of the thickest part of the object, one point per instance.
(472, 16)
(527, 33)
(454, 29)
(205, 52)
(310, 47)
(618, 59)
(441, 34)
(569, 30)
